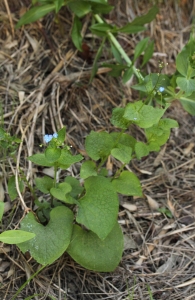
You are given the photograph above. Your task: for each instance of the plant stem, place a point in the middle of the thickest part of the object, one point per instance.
(121, 51)
(54, 182)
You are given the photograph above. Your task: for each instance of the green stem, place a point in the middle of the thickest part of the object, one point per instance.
(120, 49)
(118, 171)
(54, 182)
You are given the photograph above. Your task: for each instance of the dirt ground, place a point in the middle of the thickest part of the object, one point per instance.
(44, 86)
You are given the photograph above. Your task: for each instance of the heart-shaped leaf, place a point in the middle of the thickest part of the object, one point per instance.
(44, 184)
(127, 184)
(143, 115)
(186, 85)
(76, 186)
(67, 159)
(40, 159)
(51, 240)
(117, 118)
(52, 154)
(122, 153)
(98, 209)
(60, 192)
(141, 150)
(98, 144)
(61, 135)
(94, 254)
(88, 169)
(12, 187)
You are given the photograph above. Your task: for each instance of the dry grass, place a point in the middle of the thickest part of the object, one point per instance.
(44, 86)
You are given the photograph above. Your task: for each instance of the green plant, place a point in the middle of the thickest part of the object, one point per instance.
(81, 218)
(8, 144)
(8, 147)
(95, 240)
(100, 28)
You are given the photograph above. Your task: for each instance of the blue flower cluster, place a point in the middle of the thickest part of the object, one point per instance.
(48, 137)
(161, 89)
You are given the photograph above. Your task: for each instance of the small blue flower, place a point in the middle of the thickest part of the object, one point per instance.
(161, 89)
(47, 138)
(55, 135)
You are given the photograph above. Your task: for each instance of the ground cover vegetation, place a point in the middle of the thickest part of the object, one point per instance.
(78, 214)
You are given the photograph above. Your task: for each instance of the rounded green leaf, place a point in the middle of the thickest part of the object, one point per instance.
(51, 240)
(2, 134)
(151, 82)
(52, 154)
(186, 85)
(16, 236)
(188, 104)
(141, 150)
(99, 144)
(158, 134)
(143, 115)
(98, 209)
(12, 187)
(67, 159)
(124, 139)
(88, 169)
(94, 254)
(61, 190)
(75, 184)
(127, 184)
(44, 184)
(80, 8)
(61, 135)
(122, 153)
(40, 160)
(117, 118)
(183, 61)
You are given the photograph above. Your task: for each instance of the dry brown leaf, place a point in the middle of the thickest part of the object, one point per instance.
(4, 266)
(21, 96)
(159, 157)
(10, 272)
(4, 248)
(7, 206)
(34, 43)
(40, 108)
(168, 265)
(130, 207)
(11, 44)
(171, 207)
(129, 242)
(49, 171)
(154, 205)
(109, 164)
(188, 149)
